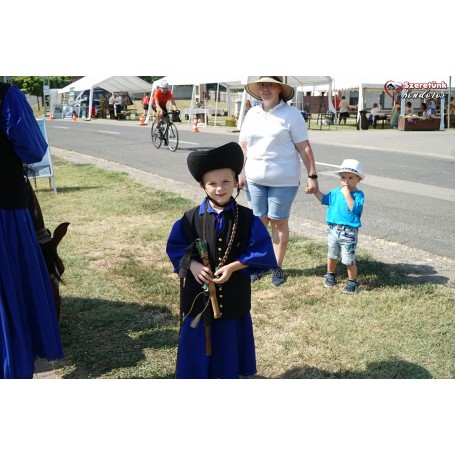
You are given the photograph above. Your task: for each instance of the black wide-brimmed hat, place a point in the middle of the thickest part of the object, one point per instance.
(227, 156)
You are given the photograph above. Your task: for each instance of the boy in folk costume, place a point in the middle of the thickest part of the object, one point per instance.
(215, 247)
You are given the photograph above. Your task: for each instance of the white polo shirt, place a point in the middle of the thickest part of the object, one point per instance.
(272, 158)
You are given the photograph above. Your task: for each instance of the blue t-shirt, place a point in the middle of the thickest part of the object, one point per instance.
(338, 211)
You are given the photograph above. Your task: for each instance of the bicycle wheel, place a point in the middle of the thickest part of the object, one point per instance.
(172, 136)
(157, 137)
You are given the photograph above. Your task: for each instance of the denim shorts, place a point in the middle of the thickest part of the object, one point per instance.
(273, 202)
(342, 240)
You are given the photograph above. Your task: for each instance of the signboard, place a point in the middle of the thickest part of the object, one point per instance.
(44, 167)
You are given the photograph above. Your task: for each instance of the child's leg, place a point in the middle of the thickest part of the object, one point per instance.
(352, 284)
(332, 257)
(333, 251)
(349, 243)
(352, 271)
(331, 265)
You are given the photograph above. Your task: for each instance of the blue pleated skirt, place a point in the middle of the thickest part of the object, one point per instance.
(29, 327)
(233, 350)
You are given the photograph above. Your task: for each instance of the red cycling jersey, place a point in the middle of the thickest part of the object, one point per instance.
(161, 99)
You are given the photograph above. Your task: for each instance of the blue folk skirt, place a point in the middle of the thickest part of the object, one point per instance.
(233, 350)
(28, 320)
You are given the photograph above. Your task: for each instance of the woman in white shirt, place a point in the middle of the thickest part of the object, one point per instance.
(375, 110)
(274, 140)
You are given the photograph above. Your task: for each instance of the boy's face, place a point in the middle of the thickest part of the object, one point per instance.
(219, 184)
(350, 180)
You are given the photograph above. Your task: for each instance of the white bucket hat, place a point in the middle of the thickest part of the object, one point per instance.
(352, 166)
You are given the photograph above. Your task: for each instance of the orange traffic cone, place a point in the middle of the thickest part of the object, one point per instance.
(141, 119)
(74, 116)
(195, 129)
(51, 117)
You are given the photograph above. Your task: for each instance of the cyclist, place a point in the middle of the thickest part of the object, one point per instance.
(160, 98)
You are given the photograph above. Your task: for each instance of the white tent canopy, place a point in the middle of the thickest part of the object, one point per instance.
(130, 84)
(228, 81)
(236, 82)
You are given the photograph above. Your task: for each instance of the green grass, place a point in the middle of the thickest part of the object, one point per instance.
(119, 316)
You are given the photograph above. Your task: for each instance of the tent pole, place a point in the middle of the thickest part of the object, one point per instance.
(191, 105)
(330, 103)
(242, 110)
(448, 102)
(216, 103)
(147, 117)
(90, 103)
(441, 123)
(360, 103)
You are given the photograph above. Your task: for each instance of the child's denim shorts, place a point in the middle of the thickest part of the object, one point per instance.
(342, 241)
(273, 202)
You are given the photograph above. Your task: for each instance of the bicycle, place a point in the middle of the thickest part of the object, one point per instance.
(165, 132)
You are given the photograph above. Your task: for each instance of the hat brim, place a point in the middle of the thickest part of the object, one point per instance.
(228, 156)
(351, 171)
(287, 92)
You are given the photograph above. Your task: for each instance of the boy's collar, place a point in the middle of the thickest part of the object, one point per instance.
(210, 209)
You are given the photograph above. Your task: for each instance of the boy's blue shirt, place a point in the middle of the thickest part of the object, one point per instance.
(338, 211)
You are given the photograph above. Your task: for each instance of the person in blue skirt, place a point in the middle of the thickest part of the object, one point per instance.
(215, 247)
(29, 327)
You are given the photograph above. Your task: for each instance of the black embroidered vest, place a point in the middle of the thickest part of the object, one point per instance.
(234, 296)
(13, 187)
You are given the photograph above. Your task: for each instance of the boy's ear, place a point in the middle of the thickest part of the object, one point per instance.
(201, 184)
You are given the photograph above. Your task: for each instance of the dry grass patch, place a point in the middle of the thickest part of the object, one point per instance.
(120, 300)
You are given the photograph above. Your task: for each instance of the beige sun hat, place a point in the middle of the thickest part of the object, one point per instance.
(287, 92)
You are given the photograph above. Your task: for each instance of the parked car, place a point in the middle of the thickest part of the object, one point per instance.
(83, 99)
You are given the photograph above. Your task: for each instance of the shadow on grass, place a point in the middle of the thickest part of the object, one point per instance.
(388, 369)
(101, 336)
(419, 274)
(374, 274)
(66, 189)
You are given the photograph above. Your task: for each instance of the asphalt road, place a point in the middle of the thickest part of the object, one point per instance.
(409, 197)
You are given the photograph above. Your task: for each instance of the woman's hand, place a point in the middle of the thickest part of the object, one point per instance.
(312, 186)
(242, 181)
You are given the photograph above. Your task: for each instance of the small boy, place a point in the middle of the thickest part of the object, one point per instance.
(215, 247)
(343, 222)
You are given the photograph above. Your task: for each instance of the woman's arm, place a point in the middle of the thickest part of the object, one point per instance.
(242, 180)
(306, 153)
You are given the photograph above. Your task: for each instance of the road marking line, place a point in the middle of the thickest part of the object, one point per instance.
(108, 132)
(327, 164)
(404, 186)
